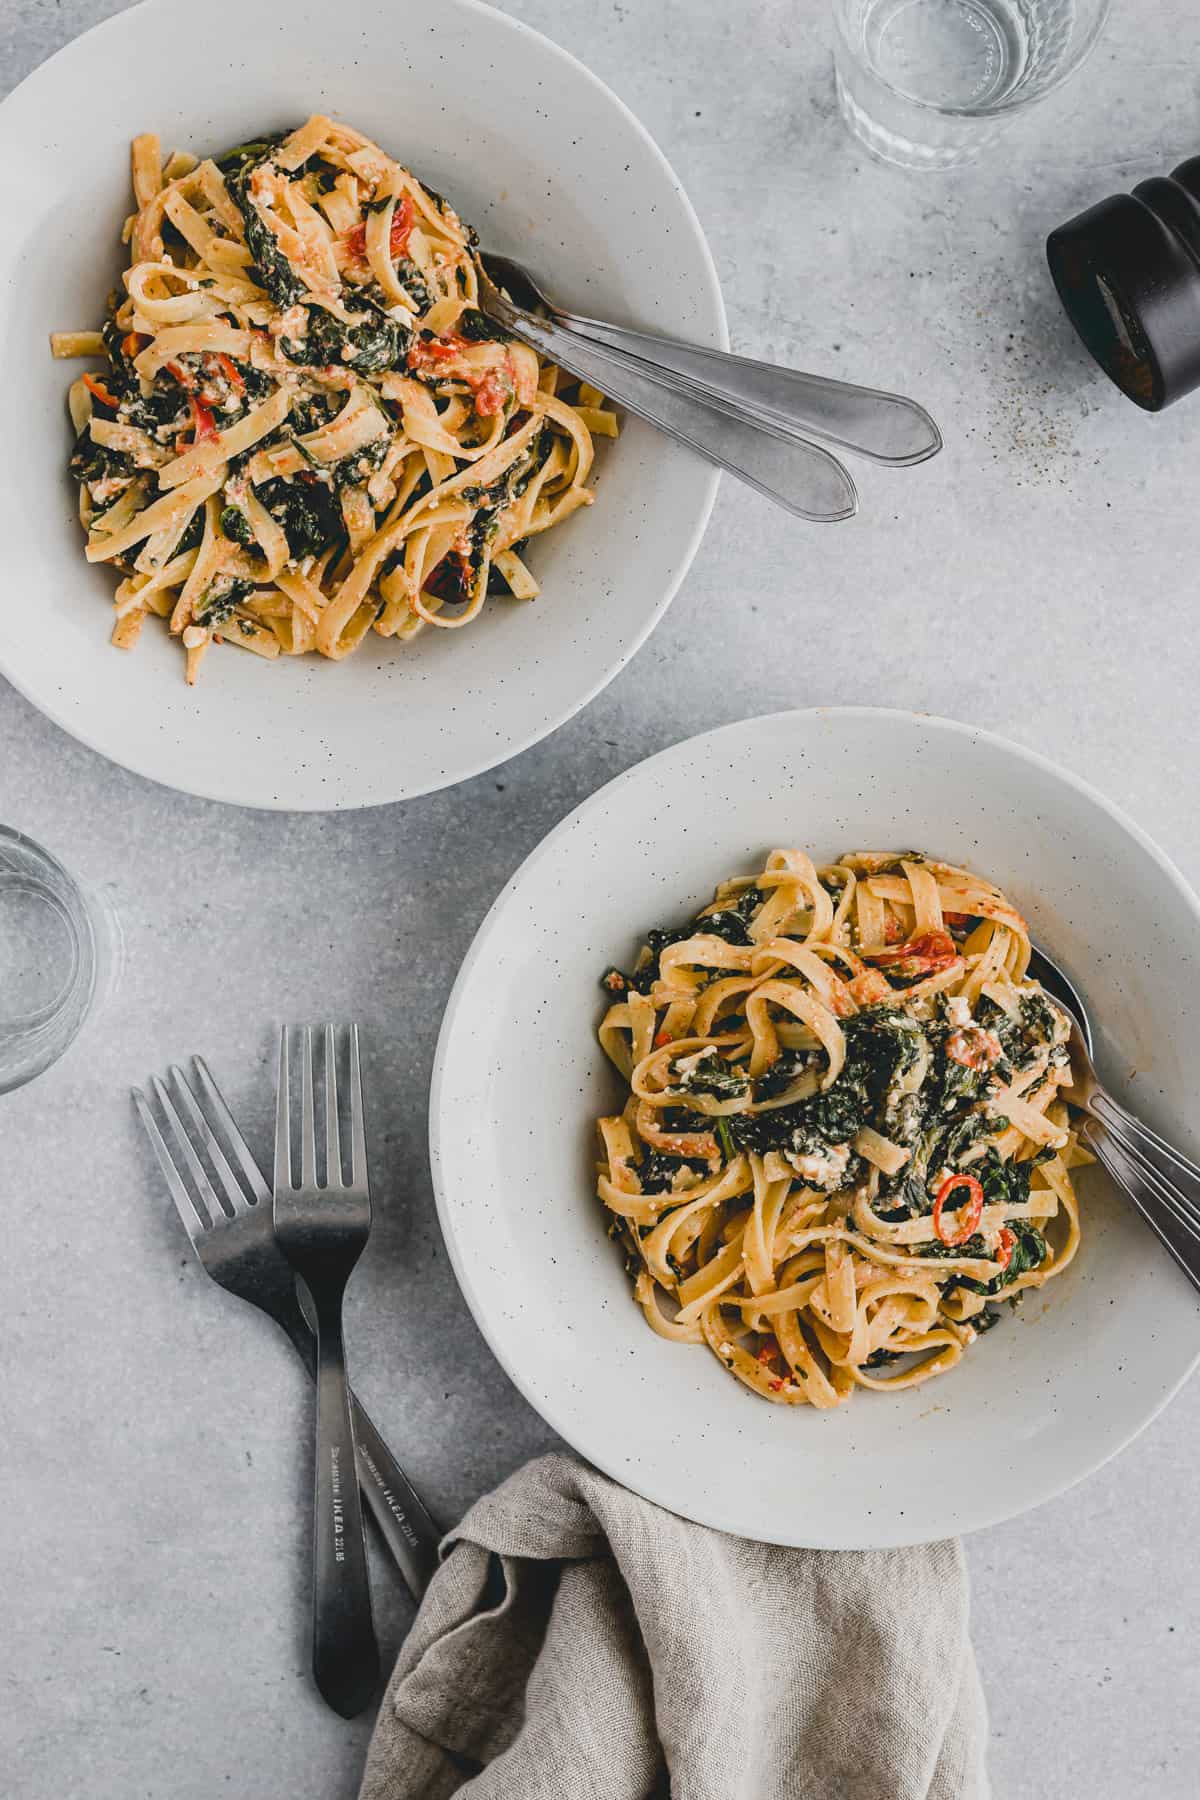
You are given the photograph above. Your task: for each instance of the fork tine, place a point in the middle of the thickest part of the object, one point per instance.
(283, 1122)
(358, 1135)
(333, 1142)
(308, 1131)
(190, 1216)
(233, 1137)
(183, 1143)
(220, 1162)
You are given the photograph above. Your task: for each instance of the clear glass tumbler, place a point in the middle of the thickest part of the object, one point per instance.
(931, 83)
(60, 953)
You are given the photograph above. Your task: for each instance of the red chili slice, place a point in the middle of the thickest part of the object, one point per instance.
(1005, 1247)
(98, 390)
(969, 1213)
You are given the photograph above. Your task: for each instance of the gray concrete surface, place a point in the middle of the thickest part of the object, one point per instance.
(1038, 578)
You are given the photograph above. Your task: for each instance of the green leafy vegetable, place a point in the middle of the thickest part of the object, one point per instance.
(881, 1045)
(656, 1172)
(307, 512)
(477, 328)
(713, 1076)
(220, 600)
(370, 345)
(783, 1071)
(1028, 1252)
(250, 155)
(413, 283)
(193, 533)
(360, 465)
(236, 525)
(271, 267)
(90, 461)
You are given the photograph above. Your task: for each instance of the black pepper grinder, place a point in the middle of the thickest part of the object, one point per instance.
(1128, 273)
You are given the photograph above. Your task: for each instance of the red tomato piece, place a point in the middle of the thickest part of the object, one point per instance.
(926, 954)
(493, 393)
(231, 372)
(974, 1047)
(203, 420)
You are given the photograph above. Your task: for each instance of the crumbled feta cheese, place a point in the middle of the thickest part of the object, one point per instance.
(291, 324)
(687, 1064)
(107, 488)
(958, 1010)
(823, 1169)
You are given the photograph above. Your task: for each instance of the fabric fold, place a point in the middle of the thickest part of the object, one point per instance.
(579, 1643)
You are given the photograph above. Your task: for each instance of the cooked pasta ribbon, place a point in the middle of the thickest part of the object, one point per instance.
(306, 428)
(845, 1143)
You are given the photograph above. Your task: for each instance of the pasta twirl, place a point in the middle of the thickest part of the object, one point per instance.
(307, 429)
(844, 1142)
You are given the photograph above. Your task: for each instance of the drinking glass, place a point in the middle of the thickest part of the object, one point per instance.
(931, 83)
(60, 953)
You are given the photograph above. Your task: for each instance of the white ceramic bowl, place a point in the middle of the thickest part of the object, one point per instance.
(550, 167)
(519, 1079)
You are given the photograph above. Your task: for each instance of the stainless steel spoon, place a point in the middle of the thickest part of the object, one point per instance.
(798, 475)
(1161, 1181)
(888, 428)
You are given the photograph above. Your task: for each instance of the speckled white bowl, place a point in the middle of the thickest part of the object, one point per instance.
(519, 1079)
(550, 167)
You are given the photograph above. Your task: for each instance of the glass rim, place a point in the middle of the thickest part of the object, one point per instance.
(41, 1027)
(998, 109)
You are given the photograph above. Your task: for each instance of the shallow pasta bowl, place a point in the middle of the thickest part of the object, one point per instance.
(1036, 1404)
(559, 174)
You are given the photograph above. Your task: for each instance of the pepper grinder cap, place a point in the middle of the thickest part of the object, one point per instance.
(1128, 274)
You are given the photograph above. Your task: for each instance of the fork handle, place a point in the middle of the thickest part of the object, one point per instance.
(403, 1520)
(405, 1526)
(802, 477)
(888, 428)
(1152, 1198)
(345, 1653)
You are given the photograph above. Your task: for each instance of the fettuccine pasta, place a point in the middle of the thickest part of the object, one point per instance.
(844, 1143)
(307, 429)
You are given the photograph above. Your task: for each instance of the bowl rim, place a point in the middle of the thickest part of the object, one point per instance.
(89, 734)
(647, 1483)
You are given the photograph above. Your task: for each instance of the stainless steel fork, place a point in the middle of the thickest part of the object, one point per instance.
(322, 1225)
(199, 1143)
(1163, 1183)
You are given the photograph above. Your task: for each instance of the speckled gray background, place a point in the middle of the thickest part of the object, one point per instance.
(1039, 578)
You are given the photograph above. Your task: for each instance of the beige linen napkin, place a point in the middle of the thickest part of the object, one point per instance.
(578, 1643)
